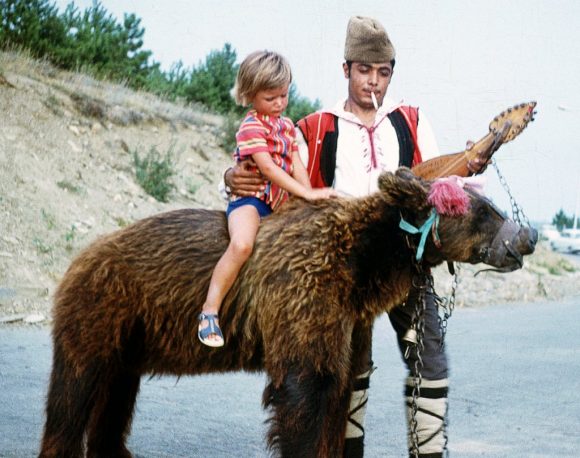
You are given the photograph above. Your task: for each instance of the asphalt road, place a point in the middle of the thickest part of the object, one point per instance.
(515, 392)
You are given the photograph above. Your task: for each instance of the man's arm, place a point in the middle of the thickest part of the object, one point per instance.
(302, 147)
(434, 164)
(278, 176)
(244, 179)
(299, 173)
(426, 138)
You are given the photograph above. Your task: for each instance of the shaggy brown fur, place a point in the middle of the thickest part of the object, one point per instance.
(301, 310)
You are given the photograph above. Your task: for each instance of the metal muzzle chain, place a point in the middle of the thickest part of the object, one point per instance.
(447, 304)
(517, 211)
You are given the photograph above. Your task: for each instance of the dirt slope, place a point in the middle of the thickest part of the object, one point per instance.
(67, 175)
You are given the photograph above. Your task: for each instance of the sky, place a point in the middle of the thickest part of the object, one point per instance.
(462, 62)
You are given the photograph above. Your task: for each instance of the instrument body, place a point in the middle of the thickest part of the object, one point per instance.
(503, 128)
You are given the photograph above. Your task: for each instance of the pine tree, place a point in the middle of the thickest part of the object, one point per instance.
(212, 81)
(34, 25)
(562, 221)
(106, 47)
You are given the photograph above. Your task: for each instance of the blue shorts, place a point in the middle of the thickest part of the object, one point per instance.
(262, 207)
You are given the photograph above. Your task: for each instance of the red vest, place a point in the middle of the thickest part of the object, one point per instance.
(320, 130)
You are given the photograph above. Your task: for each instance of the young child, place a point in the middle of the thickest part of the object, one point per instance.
(270, 140)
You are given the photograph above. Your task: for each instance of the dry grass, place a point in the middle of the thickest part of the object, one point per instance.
(103, 100)
(66, 144)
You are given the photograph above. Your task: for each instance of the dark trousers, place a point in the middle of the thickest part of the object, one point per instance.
(433, 355)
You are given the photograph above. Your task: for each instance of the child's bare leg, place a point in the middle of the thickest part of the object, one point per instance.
(243, 224)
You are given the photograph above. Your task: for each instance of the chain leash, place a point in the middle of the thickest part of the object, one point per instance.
(447, 304)
(421, 283)
(419, 326)
(517, 210)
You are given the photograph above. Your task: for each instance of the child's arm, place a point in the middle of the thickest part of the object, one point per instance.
(299, 173)
(278, 176)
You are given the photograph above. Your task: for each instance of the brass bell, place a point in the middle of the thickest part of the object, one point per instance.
(410, 336)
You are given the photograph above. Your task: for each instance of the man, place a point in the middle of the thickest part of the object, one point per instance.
(347, 147)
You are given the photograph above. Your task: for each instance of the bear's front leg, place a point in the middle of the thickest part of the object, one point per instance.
(309, 414)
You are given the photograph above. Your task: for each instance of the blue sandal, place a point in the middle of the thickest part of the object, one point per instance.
(212, 328)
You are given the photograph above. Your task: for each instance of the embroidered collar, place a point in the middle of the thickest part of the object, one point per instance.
(386, 108)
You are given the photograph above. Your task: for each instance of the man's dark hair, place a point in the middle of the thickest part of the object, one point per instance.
(349, 64)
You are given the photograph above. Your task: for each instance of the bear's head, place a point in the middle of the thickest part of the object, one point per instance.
(445, 220)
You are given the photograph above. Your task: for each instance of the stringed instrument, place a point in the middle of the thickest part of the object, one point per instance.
(504, 128)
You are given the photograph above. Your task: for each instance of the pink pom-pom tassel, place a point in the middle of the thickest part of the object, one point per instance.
(448, 197)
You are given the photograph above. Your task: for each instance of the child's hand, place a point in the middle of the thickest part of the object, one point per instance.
(321, 193)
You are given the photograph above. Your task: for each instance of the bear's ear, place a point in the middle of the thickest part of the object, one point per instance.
(404, 189)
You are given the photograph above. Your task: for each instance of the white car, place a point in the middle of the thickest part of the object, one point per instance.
(568, 242)
(549, 232)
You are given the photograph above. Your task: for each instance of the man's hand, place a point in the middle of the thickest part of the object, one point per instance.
(477, 164)
(504, 128)
(244, 179)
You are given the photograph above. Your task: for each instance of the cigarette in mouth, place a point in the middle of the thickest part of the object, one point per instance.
(374, 99)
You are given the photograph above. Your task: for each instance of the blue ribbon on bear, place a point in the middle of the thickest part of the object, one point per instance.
(423, 230)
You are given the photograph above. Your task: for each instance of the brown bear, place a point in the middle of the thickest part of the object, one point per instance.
(302, 309)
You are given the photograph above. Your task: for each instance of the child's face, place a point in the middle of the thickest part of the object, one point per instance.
(271, 102)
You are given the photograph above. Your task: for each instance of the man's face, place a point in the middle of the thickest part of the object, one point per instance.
(366, 78)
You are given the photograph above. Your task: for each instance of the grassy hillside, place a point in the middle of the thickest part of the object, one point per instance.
(67, 169)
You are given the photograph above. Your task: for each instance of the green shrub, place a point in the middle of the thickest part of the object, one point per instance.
(121, 222)
(41, 247)
(230, 126)
(557, 266)
(154, 172)
(69, 238)
(193, 186)
(299, 106)
(49, 219)
(68, 186)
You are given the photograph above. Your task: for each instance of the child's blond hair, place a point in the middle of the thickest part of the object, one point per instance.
(261, 70)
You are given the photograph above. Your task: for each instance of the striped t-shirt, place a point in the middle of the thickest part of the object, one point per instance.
(261, 133)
